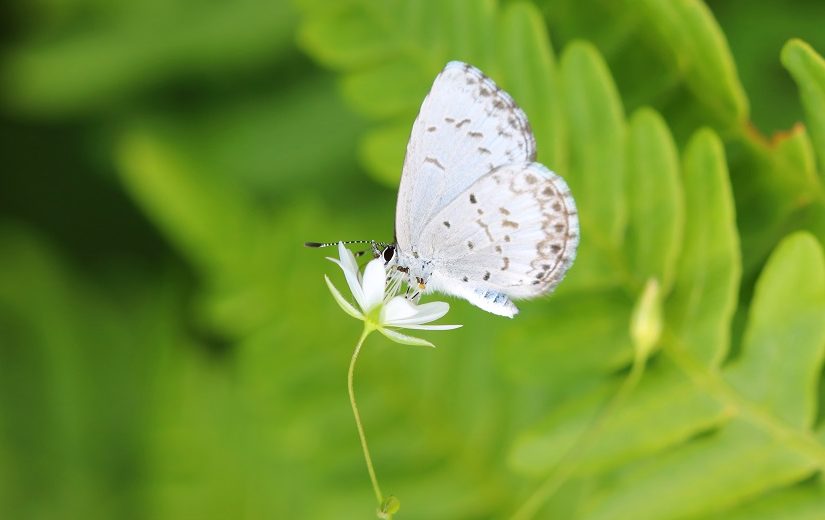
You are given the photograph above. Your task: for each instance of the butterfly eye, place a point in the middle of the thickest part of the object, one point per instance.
(388, 253)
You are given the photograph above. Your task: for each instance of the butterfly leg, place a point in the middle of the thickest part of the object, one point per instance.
(420, 287)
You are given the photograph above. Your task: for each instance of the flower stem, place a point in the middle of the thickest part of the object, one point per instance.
(367, 458)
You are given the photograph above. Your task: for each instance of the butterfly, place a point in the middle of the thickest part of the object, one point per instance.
(477, 217)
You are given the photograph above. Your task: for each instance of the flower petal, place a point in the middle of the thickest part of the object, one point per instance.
(348, 264)
(400, 316)
(347, 258)
(398, 308)
(404, 339)
(375, 278)
(427, 327)
(343, 303)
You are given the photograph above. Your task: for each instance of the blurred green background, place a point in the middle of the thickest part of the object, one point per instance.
(168, 348)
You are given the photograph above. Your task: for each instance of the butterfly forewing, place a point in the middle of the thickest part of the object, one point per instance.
(466, 127)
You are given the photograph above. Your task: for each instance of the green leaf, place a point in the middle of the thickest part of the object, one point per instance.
(269, 142)
(646, 423)
(705, 476)
(78, 373)
(350, 35)
(382, 151)
(597, 132)
(390, 52)
(795, 156)
(388, 89)
(808, 70)
(471, 31)
(531, 78)
(687, 29)
(137, 47)
(552, 338)
(700, 309)
(802, 502)
(766, 446)
(707, 282)
(784, 342)
(202, 218)
(655, 199)
(771, 396)
(773, 184)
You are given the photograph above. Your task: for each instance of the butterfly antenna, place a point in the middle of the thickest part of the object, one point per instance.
(329, 244)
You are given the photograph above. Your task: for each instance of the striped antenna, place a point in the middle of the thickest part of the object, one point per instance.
(328, 244)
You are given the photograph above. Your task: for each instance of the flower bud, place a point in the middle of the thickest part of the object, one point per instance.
(646, 321)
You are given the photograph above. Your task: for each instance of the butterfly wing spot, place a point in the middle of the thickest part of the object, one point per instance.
(506, 262)
(483, 151)
(504, 211)
(486, 229)
(431, 128)
(509, 224)
(465, 279)
(462, 123)
(473, 199)
(449, 120)
(435, 162)
(446, 224)
(486, 276)
(469, 245)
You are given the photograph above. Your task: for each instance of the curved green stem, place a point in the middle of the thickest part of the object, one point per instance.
(565, 468)
(367, 458)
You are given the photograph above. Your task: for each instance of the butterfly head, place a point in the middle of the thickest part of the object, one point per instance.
(387, 253)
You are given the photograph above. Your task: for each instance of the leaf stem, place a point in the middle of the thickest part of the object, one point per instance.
(715, 385)
(378, 495)
(568, 463)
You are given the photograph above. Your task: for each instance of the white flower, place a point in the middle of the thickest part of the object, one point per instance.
(378, 306)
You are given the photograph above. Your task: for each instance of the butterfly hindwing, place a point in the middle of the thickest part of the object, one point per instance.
(467, 127)
(514, 231)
